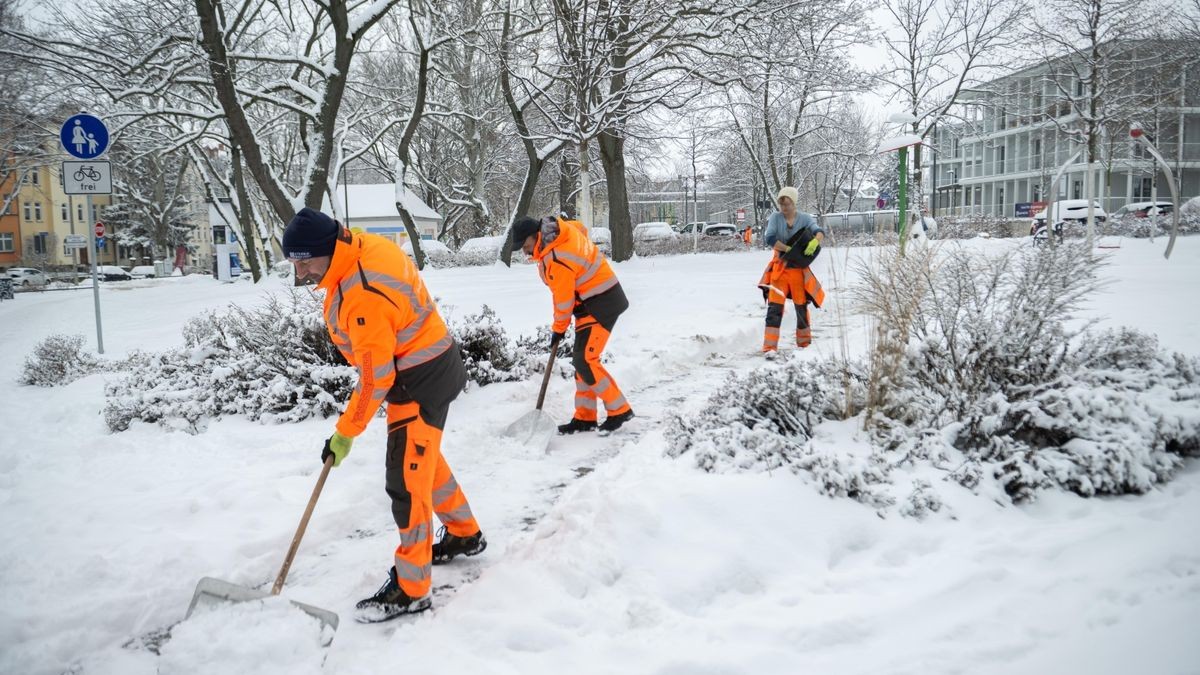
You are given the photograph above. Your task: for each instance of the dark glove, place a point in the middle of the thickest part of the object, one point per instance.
(338, 446)
(557, 339)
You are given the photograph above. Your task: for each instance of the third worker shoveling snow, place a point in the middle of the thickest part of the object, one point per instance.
(582, 284)
(796, 239)
(383, 320)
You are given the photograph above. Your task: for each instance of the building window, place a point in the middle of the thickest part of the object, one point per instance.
(1000, 159)
(1037, 193)
(1079, 87)
(66, 215)
(94, 219)
(978, 195)
(1076, 189)
(39, 243)
(37, 177)
(7, 245)
(1141, 191)
(37, 211)
(28, 210)
(79, 211)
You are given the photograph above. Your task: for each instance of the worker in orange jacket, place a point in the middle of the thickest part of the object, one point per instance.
(795, 239)
(582, 284)
(384, 322)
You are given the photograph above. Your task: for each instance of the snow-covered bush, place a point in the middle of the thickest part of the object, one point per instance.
(763, 420)
(273, 362)
(58, 360)
(974, 225)
(489, 354)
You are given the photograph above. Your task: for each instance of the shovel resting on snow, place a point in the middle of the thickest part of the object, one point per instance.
(536, 428)
(210, 591)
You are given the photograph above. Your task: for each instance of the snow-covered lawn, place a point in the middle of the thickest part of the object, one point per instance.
(605, 555)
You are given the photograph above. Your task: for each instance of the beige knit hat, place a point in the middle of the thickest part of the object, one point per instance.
(790, 193)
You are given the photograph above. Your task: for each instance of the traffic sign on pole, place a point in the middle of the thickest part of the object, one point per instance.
(87, 178)
(84, 136)
(75, 241)
(99, 229)
(741, 215)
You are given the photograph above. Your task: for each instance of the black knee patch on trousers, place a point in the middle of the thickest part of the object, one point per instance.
(579, 357)
(774, 315)
(394, 481)
(801, 317)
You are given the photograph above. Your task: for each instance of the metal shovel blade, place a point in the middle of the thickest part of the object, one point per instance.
(535, 429)
(212, 592)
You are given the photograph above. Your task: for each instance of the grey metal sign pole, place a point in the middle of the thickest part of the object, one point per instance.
(93, 253)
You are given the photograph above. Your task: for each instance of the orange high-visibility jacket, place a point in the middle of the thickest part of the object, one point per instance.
(777, 269)
(572, 266)
(381, 318)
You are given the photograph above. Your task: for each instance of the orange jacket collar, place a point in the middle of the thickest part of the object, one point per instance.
(346, 252)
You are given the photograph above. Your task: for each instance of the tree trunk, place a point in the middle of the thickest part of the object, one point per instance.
(612, 156)
(567, 179)
(528, 186)
(244, 213)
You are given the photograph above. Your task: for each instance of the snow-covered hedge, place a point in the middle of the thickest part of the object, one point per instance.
(685, 244)
(978, 380)
(275, 362)
(491, 355)
(971, 226)
(58, 360)
(272, 362)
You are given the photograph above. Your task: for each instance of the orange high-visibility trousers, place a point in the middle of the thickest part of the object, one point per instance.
(421, 484)
(592, 381)
(788, 283)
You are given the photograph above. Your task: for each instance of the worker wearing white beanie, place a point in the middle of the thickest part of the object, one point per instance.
(795, 237)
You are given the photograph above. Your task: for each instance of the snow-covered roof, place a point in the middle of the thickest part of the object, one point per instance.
(378, 201)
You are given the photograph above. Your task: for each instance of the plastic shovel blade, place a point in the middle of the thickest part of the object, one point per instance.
(535, 429)
(212, 592)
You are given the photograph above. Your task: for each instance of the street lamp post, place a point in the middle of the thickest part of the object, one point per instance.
(901, 144)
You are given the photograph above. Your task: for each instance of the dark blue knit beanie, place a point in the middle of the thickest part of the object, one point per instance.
(523, 229)
(311, 234)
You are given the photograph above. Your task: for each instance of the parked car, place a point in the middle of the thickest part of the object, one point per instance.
(27, 276)
(1065, 210)
(601, 237)
(1145, 209)
(143, 272)
(655, 231)
(690, 227)
(719, 230)
(112, 273)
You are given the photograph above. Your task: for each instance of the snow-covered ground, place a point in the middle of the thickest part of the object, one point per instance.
(605, 555)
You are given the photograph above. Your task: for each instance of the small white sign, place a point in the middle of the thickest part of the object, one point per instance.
(75, 241)
(87, 178)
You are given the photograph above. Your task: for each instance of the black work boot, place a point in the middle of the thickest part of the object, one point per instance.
(452, 545)
(614, 422)
(390, 602)
(575, 426)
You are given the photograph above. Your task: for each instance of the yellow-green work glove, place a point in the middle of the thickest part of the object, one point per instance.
(338, 446)
(812, 246)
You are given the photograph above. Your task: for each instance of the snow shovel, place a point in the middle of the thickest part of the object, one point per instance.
(536, 428)
(211, 592)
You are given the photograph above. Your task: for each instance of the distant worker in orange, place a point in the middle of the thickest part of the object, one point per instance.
(795, 238)
(747, 235)
(582, 284)
(383, 320)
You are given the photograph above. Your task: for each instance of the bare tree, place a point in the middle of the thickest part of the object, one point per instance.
(938, 49)
(1094, 59)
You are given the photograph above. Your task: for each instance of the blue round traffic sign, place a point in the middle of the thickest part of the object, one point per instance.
(84, 136)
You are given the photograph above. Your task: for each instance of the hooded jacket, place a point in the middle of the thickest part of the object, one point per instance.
(577, 273)
(381, 318)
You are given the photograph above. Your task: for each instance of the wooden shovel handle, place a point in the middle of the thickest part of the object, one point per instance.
(546, 377)
(312, 503)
